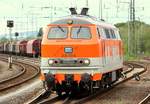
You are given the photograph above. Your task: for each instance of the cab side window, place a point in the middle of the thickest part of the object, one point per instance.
(117, 34)
(112, 34)
(101, 32)
(107, 33)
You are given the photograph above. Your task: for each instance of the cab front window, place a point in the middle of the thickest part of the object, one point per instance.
(58, 32)
(80, 33)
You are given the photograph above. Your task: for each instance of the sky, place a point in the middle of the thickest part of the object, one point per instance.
(29, 15)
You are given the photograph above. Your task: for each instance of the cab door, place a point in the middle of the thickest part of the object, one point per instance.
(102, 45)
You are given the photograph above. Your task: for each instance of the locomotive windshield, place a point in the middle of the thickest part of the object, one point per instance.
(58, 32)
(77, 32)
(80, 33)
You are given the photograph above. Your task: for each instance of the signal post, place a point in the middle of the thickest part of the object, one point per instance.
(10, 25)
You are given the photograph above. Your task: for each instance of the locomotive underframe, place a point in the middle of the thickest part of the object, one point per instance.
(86, 83)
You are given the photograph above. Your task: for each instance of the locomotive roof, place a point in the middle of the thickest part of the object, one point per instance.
(82, 19)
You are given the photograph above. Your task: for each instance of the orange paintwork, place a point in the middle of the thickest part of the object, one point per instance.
(57, 51)
(97, 76)
(81, 47)
(59, 77)
(54, 48)
(77, 77)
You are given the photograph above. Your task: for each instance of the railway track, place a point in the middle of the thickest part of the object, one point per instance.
(100, 93)
(28, 72)
(23, 58)
(59, 100)
(72, 100)
(30, 59)
(22, 71)
(69, 100)
(146, 100)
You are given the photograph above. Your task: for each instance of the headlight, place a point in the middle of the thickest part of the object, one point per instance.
(50, 62)
(86, 61)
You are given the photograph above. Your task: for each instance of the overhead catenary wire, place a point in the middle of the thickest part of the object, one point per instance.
(87, 3)
(100, 9)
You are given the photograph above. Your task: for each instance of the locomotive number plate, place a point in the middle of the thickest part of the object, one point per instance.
(68, 50)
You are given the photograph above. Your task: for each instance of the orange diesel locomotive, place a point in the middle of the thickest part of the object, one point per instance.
(80, 52)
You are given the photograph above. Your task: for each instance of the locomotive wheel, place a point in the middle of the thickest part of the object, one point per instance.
(59, 92)
(86, 88)
(67, 92)
(74, 91)
(107, 86)
(91, 87)
(82, 88)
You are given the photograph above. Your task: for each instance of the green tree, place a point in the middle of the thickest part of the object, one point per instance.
(4, 39)
(142, 36)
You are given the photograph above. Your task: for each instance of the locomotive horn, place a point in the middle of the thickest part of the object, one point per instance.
(73, 11)
(84, 11)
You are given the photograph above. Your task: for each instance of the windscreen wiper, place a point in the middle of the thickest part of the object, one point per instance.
(79, 30)
(60, 28)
